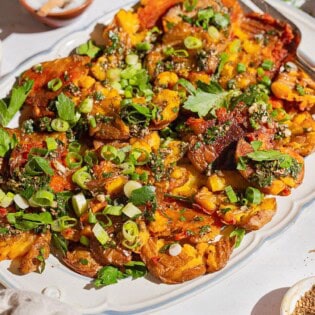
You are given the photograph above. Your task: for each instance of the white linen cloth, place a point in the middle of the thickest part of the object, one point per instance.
(14, 302)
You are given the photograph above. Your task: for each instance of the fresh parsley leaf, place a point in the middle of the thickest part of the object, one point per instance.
(143, 195)
(238, 233)
(135, 269)
(65, 107)
(3, 230)
(38, 165)
(60, 243)
(203, 103)
(187, 85)
(88, 49)
(18, 97)
(265, 155)
(213, 88)
(6, 142)
(256, 145)
(28, 221)
(108, 275)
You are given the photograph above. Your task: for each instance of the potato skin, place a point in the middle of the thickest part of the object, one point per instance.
(81, 261)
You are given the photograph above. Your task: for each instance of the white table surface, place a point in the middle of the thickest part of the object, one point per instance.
(258, 287)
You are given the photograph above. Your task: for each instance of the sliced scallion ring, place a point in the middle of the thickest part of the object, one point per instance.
(100, 234)
(86, 105)
(73, 160)
(253, 195)
(113, 210)
(51, 144)
(42, 198)
(231, 194)
(79, 204)
(74, 146)
(90, 158)
(130, 210)
(130, 231)
(63, 223)
(59, 125)
(139, 156)
(54, 84)
(109, 152)
(81, 177)
(128, 168)
(192, 42)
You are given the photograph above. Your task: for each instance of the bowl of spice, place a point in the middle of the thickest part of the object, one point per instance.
(56, 13)
(300, 298)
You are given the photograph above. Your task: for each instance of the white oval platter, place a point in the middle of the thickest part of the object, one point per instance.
(144, 295)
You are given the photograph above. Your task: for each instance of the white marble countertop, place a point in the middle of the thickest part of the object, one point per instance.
(258, 287)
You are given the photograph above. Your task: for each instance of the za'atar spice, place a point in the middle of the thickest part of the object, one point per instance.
(306, 304)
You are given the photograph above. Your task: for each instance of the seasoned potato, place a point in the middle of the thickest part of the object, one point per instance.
(37, 254)
(15, 246)
(271, 175)
(172, 269)
(81, 261)
(252, 217)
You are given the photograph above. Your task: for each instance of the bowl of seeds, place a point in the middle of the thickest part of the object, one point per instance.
(300, 298)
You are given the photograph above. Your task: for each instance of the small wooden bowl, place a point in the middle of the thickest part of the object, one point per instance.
(58, 19)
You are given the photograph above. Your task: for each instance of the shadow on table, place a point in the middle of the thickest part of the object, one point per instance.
(14, 19)
(270, 303)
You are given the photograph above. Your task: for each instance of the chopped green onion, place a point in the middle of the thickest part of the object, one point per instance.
(299, 88)
(100, 234)
(213, 32)
(130, 186)
(21, 202)
(74, 146)
(238, 233)
(86, 105)
(90, 158)
(113, 210)
(51, 144)
(74, 160)
(231, 194)
(144, 46)
(221, 20)
(132, 59)
(130, 231)
(192, 42)
(42, 198)
(54, 84)
(113, 75)
(92, 122)
(128, 168)
(7, 200)
(59, 125)
(189, 5)
(136, 153)
(260, 71)
(253, 195)
(63, 223)
(267, 64)
(109, 152)
(266, 80)
(81, 177)
(85, 241)
(235, 46)
(130, 210)
(241, 68)
(92, 218)
(79, 204)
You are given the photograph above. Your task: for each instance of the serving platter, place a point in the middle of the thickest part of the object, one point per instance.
(142, 294)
